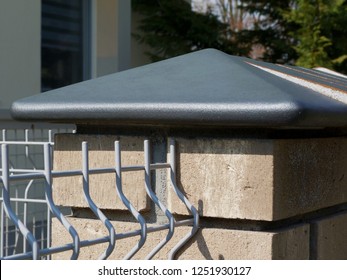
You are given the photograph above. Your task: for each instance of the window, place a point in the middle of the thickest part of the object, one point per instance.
(64, 42)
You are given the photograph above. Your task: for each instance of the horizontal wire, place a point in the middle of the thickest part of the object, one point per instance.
(85, 243)
(25, 174)
(39, 174)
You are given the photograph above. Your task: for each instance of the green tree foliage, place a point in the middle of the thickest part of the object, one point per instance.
(316, 36)
(308, 33)
(171, 28)
(271, 29)
(334, 27)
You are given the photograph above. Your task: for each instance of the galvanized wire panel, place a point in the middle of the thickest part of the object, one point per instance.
(34, 248)
(27, 197)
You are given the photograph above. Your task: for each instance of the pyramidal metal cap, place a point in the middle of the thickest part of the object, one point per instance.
(204, 88)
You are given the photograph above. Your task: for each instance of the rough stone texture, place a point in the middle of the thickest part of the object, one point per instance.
(67, 156)
(256, 179)
(331, 242)
(309, 175)
(209, 243)
(225, 178)
(292, 243)
(260, 179)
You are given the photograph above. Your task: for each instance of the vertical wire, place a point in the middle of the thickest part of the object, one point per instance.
(49, 230)
(155, 199)
(4, 132)
(7, 202)
(126, 202)
(2, 229)
(93, 207)
(3, 137)
(53, 207)
(181, 196)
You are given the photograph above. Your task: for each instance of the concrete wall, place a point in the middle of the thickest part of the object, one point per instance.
(20, 33)
(257, 198)
(261, 179)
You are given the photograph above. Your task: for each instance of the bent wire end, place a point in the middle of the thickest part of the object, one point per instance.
(184, 199)
(55, 210)
(155, 199)
(92, 205)
(128, 205)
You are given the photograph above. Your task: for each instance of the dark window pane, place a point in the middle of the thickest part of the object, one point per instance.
(61, 43)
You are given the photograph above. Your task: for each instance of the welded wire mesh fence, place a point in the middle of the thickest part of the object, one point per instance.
(25, 235)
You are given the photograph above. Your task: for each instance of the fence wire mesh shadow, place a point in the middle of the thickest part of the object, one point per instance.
(35, 235)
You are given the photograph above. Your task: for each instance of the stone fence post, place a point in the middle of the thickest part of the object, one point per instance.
(261, 152)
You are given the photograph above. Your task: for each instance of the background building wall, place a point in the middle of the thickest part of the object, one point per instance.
(111, 38)
(20, 45)
(20, 41)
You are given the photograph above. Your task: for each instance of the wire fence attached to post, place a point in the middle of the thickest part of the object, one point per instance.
(36, 250)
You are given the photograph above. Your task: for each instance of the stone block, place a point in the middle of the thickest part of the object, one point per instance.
(225, 244)
(260, 179)
(209, 243)
(331, 242)
(67, 156)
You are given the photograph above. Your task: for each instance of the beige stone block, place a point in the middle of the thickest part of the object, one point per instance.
(331, 242)
(68, 191)
(208, 243)
(211, 243)
(260, 179)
